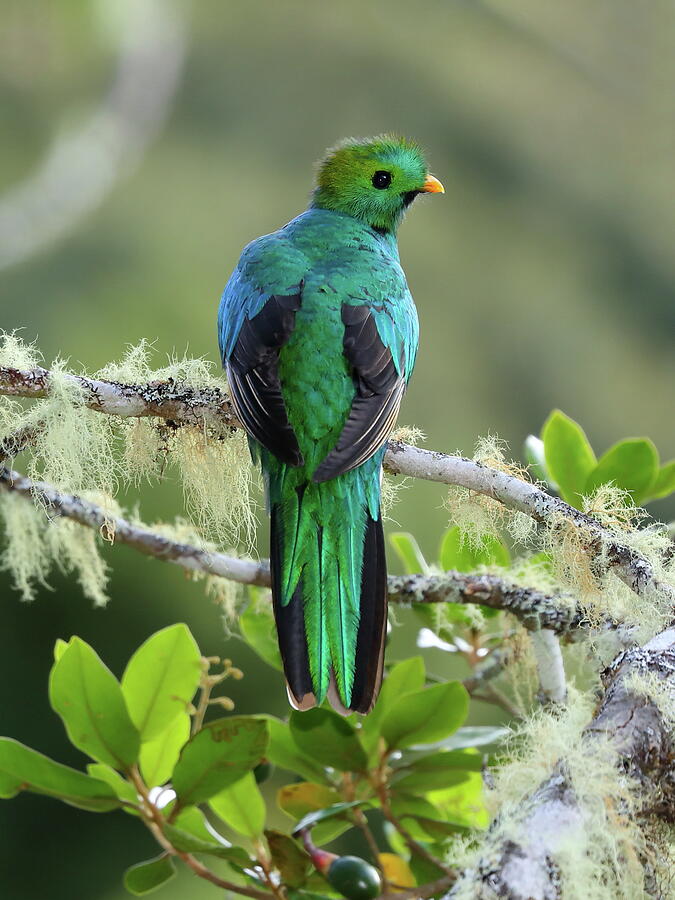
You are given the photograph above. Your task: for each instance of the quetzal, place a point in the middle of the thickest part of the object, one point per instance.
(318, 334)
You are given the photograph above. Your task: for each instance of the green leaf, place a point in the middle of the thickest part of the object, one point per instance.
(411, 806)
(145, 877)
(328, 738)
(395, 841)
(303, 800)
(241, 806)
(159, 756)
(459, 554)
(408, 551)
(259, 631)
(462, 804)
(289, 859)
(217, 756)
(161, 678)
(631, 465)
(425, 716)
(424, 870)
(437, 770)
(24, 769)
(88, 697)
(285, 753)
(403, 678)
(569, 456)
(473, 736)
(302, 797)
(59, 648)
(122, 788)
(439, 829)
(454, 552)
(188, 843)
(665, 481)
(191, 820)
(422, 818)
(321, 815)
(295, 894)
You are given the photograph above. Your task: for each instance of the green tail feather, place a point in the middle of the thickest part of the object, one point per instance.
(318, 533)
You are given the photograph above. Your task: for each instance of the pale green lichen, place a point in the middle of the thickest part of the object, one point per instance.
(479, 516)
(15, 353)
(598, 588)
(216, 477)
(135, 367)
(601, 855)
(35, 542)
(226, 593)
(24, 555)
(80, 451)
(74, 448)
(214, 467)
(392, 485)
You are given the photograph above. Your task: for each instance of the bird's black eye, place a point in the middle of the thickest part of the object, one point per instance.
(381, 180)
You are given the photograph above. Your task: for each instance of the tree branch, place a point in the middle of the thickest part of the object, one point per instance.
(534, 609)
(548, 655)
(523, 866)
(183, 405)
(163, 399)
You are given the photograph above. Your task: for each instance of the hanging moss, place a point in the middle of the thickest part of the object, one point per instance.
(393, 485)
(80, 451)
(479, 516)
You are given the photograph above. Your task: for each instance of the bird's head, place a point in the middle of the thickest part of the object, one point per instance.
(374, 180)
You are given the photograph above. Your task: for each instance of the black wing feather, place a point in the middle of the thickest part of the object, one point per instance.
(253, 376)
(379, 391)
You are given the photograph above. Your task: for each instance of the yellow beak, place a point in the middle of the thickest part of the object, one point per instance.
(432, 186)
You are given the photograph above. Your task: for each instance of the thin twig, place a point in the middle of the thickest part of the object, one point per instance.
(493, 695)
(491, 667)
(359, 819)
(154, 820)
(414, 846)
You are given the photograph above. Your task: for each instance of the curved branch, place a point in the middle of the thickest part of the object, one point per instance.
(523, 866)
(183, 405)
(534, 609)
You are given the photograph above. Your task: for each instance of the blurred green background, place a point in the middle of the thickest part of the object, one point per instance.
(144, 143)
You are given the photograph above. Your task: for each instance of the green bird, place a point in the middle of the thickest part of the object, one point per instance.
(318, 335)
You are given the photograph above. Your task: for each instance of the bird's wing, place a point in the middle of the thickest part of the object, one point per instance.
(381, 356)
(255, 320)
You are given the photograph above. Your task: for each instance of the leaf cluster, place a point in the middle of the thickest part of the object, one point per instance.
(564, 459)
(194, 784)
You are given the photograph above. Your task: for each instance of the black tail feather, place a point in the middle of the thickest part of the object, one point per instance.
(290, 626)
(373, 622)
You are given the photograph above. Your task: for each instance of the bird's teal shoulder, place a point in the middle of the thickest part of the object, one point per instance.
(321, 252)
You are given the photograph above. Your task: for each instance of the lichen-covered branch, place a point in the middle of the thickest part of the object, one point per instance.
(183, 405)
(534, 609)
(145, 540)
(523, 861)
(550, 667)
(164, 399)
(517, 494)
